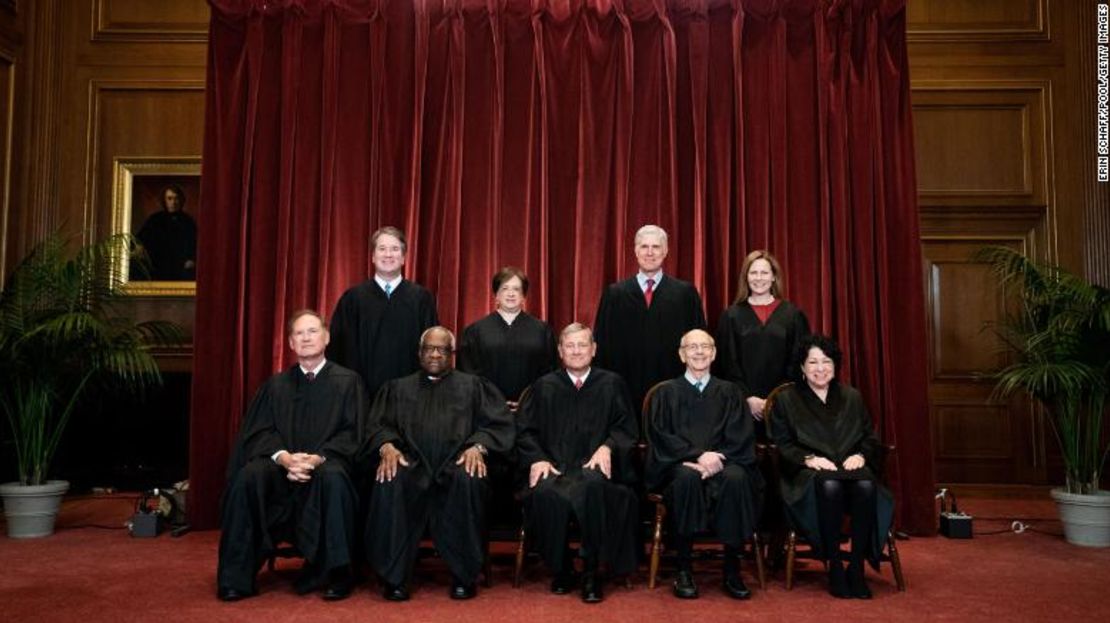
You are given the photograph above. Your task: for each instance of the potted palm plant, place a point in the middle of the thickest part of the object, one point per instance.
(1060, 344)
(60, 333)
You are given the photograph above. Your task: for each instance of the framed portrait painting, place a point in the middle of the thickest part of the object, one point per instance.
(155, 200)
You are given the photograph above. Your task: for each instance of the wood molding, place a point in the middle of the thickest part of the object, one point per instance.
(97, 88)
(42, 138)
(7, 129)
(1030, 99)
(1036, 28)
(105, 29)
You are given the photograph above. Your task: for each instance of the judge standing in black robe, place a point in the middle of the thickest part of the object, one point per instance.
(576, 431)
(758, 333)
(641, 320)
(702, 459)
(377, 323)
(289, 478)
(509, 347)
(433, 430)
(828, 449)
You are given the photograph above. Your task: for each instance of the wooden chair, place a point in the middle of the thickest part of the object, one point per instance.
(661, 512)
(792, 538)
(522, 536)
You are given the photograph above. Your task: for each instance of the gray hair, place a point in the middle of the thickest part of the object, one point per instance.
(651, 230)
(575, 327)
(451, 335)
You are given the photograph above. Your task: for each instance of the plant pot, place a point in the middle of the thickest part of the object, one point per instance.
(32, 509)
(1086, 518)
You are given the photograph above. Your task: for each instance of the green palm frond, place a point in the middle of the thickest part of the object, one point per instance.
(1059, 340)
(60, 331)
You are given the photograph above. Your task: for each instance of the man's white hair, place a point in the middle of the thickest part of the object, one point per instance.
(651, 230)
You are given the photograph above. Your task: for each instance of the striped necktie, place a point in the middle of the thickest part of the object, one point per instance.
(649, 291)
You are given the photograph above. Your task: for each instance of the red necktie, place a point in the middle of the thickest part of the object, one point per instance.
(578, 383)
(649, 291)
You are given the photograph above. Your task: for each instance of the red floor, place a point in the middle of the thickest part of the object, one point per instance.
(91, 574)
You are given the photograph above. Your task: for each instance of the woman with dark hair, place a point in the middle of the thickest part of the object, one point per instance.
(509, 347)
(758, 333)
(828, 450)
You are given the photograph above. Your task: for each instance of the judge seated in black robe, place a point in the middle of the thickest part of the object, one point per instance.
(702, 459)
(828, 447)
(576, 431)
(433, 431)
(758, 334)
(289, 478)
(641, 320)
(377, 323)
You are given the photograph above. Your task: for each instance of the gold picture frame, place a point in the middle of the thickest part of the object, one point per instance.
(139, 191)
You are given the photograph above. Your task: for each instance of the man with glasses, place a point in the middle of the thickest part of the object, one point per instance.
(702, 460)
(575, 433)
(433, 430)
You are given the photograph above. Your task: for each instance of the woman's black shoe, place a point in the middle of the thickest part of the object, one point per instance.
(857, 585)
(591, 588)
(838, 582)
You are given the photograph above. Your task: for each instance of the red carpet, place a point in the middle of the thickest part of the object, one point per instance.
(90, 574)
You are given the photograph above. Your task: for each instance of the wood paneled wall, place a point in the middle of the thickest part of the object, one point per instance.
(1003, 97)
(105, 79)
(1003, 102)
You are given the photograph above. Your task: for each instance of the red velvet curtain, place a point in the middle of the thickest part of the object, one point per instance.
(544, 133)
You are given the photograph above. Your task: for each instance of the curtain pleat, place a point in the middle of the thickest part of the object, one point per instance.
(543, 133)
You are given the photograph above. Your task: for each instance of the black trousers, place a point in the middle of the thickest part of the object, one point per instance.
(262, 508)
(452, 510)
(727, 503)
(606, 513)
(857, 499)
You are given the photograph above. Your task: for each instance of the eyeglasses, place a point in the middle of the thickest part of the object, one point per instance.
(443, 350)
(695, 347)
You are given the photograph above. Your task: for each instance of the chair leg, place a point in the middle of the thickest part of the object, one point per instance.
(896, 563)
(791, 542)
(487, 570)
(757, 552)
(271, 563)
(518, 566)
(656, 544)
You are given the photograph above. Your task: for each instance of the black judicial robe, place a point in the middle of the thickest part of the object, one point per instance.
(512, 356)
(260, 506)
(802, 425)
(432, 423)
(170, 240)
(641, 343)
(565, 426)
(379, 336)
(683, 423)
(755, 356)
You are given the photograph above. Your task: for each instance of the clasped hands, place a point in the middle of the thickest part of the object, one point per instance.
(602, 461)
(820, 463)
(299, 465)
(709, 464)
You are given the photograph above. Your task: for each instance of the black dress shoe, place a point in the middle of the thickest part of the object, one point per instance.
(564, 582)
(684, 586)
(591, 589)
(395, 593)
(838, 582)
(735, 587)
(463, 590)
(230, 594)
(340, 584)
(857, 585)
